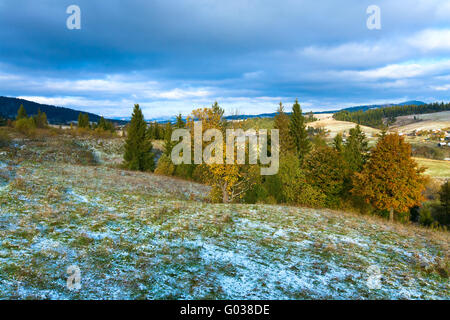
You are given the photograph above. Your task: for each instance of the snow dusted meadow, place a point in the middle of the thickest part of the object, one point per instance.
(143, 236)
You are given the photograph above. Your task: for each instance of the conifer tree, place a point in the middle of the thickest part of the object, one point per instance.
(21, 113)
(338, 142)
(168, 144)
(105, 125)
(356, 148)
(83, 120)
(326, 170)
(444, 196)
(281, 122)
(80, 120)
(391, 179)
(180, 124)
(298, 131)
(138, 147)
(41, 119)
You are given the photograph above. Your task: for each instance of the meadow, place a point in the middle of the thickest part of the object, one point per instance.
(139, 235)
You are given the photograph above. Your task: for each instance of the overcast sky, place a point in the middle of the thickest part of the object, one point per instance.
(171, 56)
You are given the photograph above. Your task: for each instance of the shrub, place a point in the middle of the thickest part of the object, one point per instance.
(215, 195)
(428, 152)
(165, 166)
(4, 139)
(327, 171)
(273, 186)
(200, 173)
(432, 189)
(442, 214)
(257, 194)
(295, 188)
(102, 133)
(26, 126)
(425, 216)
(184, 170)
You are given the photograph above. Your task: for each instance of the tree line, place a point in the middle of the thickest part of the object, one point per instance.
(28, 124)
(384, 180)
(101, 125)
(380, 117)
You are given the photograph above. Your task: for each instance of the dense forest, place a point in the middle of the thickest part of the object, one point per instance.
(380, 117)
(56, 115)
(347, 175)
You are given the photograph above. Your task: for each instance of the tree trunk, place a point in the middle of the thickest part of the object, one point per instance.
(224, 194)
(391, 214)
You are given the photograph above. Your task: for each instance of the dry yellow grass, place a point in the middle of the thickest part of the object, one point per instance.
(435, 168)
(418, 122)
(334, 126)
(423, 125)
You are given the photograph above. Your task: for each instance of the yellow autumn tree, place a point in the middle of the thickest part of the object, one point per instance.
(391, 179)
(229, 181)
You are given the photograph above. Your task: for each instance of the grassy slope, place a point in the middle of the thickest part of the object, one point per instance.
(435, 168)
(137, 235)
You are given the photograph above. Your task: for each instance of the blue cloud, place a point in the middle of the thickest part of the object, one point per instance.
(248, 55)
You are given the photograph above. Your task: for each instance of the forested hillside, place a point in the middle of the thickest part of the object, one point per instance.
(381, 116)
(55, 115)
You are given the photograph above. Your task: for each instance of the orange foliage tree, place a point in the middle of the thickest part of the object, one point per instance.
(391, 179)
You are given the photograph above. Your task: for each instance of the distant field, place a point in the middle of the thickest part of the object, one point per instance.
(428, 121)
(437, 116)
(435, 168)
(335, 126)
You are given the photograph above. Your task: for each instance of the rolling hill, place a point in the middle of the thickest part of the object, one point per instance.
(157, 237)
(55, 115)
(62, 115)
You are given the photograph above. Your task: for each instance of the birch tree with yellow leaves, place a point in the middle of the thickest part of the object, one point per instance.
(229, 178)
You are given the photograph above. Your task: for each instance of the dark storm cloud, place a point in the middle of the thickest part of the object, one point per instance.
(246, 54)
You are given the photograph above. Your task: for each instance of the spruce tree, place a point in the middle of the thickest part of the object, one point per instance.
(83, 120)
(101, 123)
(180, 124)
(86, 121)
(41, 119)
(356, 148)
(297, 129)
(444, 196)
(21, 113)
(281, 122)
(138, 147)
(338, 142)
(168, 144)
(80, 120)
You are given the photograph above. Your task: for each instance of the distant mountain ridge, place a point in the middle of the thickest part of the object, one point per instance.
(55, 115)
(62, 115)
(350, 109)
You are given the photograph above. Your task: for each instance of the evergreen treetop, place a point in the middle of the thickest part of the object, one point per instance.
(297, 129)
(21, 113)
(138, 147)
